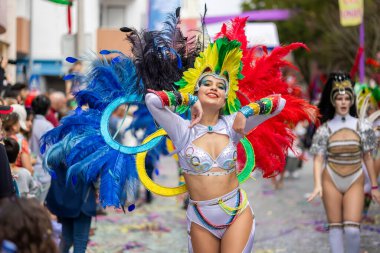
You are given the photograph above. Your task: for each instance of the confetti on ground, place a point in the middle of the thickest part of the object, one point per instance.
(282, 218)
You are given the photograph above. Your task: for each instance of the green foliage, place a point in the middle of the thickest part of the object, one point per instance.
(316, 23)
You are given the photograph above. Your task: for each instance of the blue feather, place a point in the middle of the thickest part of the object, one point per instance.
(90, 98)
(94, 168)
(88, 145)
(56, 155)
(78, 110)
(53, 157)
(88, 121)
(104, 52)
(117, 182)
(74, 180)
(81, 167)
(116, 60)
(131, 208)
(68, 77)
(71, 59)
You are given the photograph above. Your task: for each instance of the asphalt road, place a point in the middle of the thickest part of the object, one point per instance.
(285, 222)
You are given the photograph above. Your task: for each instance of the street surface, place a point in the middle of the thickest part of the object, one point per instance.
(285, 222)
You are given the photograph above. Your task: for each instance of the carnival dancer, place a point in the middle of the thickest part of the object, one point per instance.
(206, 145)
(220, 84)
(342, 143)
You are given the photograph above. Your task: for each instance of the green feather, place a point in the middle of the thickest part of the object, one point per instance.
(181, 83)
(224, 47)
(182, 109)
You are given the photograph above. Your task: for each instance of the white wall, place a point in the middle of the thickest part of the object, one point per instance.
(9, 37)
(49, 24)
(135, 14)
(92, 22)
(23, 7)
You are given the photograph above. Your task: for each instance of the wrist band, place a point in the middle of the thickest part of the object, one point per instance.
(246, 111)
(268, 105)
(262, 107)
(192, 100)
(178, 97)
(162, 95)
(185, 98)
(172, 98)
(275, 100)
(255, 107)
(375, 187)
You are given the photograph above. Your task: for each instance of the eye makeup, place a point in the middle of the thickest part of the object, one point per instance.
(220, 85)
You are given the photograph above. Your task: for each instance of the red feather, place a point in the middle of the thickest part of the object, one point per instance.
(372, 62)
(234, 30)
(263, 77)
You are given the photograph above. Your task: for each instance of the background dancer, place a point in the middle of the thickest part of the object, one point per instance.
(342, 143)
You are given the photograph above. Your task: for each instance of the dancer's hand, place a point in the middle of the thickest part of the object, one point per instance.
(317, 192)
(239, 123)
(196, 113)
(376, 195)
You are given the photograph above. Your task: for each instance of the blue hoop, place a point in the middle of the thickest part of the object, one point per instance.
(104, 123)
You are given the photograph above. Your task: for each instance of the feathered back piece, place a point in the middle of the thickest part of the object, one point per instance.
(162, 56)
(263, 77)
(78, 142)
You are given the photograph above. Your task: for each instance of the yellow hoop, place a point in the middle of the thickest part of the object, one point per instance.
(147, 181)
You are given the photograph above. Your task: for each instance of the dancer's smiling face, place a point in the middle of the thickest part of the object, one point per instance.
(212, 92)
(342, 104)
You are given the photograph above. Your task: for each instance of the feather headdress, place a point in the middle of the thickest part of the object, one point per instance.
(223, 58)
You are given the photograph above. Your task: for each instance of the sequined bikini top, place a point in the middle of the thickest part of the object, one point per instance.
(344, 151)
(196, 161)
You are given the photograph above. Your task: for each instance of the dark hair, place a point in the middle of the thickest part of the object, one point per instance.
(41, 104)
(29, 113)
(9, 93)
(325, 106)
(12, 148)
(9, 121)
(27, 224)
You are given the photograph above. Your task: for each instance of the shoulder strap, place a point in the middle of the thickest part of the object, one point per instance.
(229, 128)
(328, 128)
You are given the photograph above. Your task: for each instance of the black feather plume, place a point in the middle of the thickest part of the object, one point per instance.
(162, 56)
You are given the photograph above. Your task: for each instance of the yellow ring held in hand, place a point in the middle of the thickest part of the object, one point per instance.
(147, 181)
